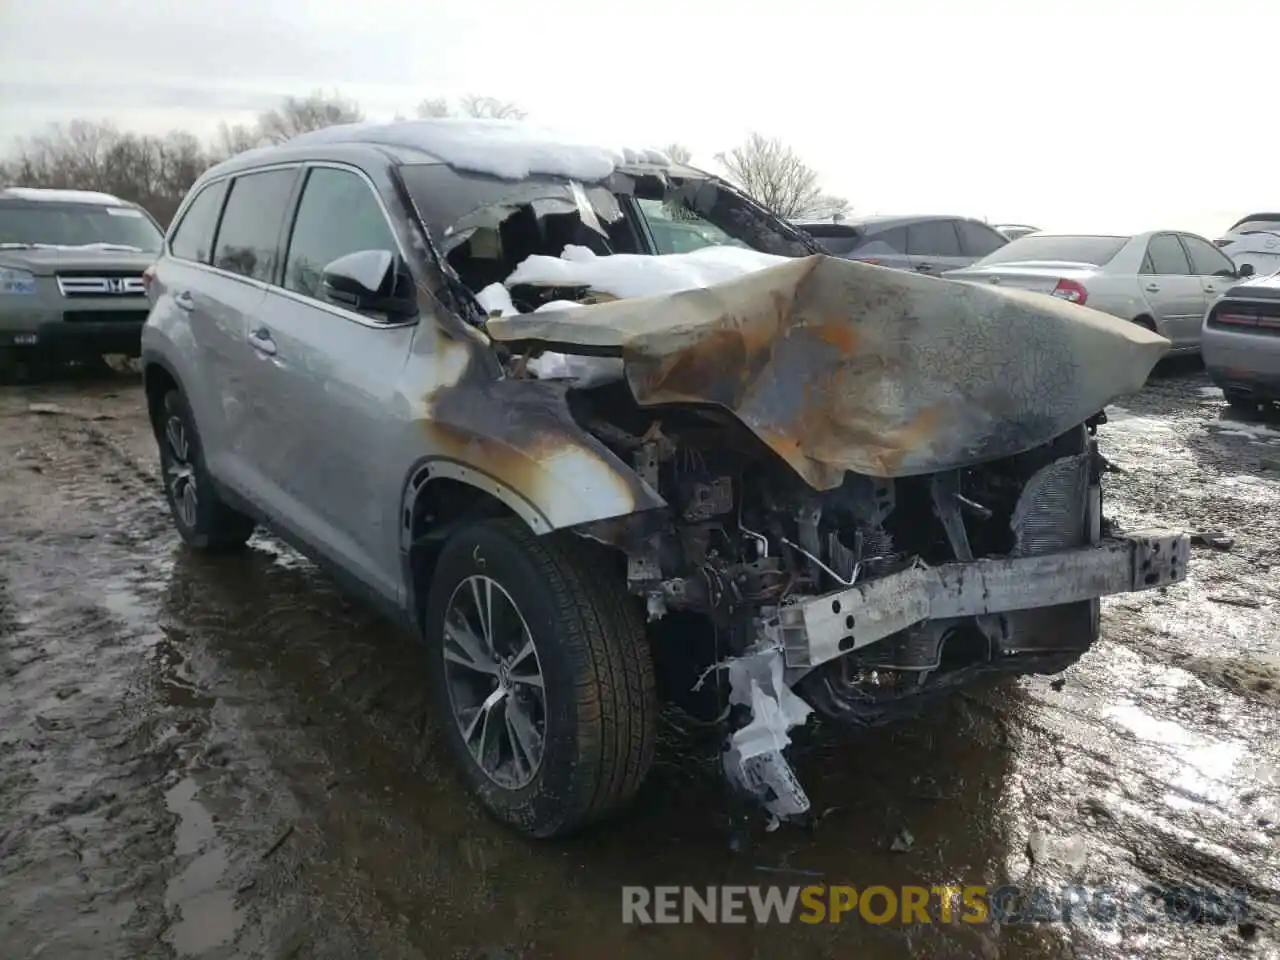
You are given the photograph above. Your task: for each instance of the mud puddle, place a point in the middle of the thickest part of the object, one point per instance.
(227, 758)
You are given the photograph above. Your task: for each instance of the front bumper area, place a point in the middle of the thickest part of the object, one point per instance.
(820, 629)
(79, 340)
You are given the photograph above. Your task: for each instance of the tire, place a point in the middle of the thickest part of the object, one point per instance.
(1240, 402)
(597, 707)
(211, 525)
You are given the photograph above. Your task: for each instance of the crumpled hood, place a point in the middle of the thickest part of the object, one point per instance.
(839, 366)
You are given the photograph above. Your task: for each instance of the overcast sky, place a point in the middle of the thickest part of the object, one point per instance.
(1084, 115)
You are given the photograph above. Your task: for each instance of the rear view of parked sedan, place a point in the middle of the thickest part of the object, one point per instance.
(1163, 280)
(1242, 343)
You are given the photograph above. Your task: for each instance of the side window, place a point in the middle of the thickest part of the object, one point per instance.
(978, 239)
(193, 240)
(338, 215)
(933, 238)
(1165, 256)
(895, 239)
(1206, 259)
(250, 232)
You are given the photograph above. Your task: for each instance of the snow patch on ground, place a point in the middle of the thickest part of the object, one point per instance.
(1131, 423)
(627, 275)
(510, 149)
(1257, 432)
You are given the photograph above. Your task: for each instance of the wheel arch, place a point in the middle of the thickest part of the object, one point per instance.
(442, 494)
(158, 378)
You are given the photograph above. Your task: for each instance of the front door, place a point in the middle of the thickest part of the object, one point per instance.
(328, 384)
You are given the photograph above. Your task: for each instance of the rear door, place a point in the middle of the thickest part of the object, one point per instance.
(328, 376)
(933, 246)
(1172, 289)
(202, 312)
(977, 240)
(246, 255)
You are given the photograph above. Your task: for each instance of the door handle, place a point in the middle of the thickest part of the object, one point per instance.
(1153, 287)
(184, 301)
(924, 267)
(261, 341)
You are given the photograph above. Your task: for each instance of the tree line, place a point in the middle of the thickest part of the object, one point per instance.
(156, 171)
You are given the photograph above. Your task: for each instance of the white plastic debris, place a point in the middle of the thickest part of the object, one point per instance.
(586, 371)
(753, 761)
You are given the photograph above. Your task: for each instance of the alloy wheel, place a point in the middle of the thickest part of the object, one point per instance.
(495, 683)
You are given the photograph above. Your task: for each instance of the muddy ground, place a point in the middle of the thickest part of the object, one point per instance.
(228, 759)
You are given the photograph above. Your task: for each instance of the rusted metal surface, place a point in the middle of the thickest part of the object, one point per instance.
(842, 366)
(520, 435)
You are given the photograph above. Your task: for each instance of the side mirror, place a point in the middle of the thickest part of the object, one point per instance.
(371, 281)
(1245, 270)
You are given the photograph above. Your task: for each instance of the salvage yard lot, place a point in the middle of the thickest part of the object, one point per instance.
(226, 758)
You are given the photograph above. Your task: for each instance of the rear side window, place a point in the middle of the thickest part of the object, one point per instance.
(978, 239)
(1165, 256)
(933, 238)
(193, 240)
(249, 237)
(338, 215)
(1206, 260)
(895, 239)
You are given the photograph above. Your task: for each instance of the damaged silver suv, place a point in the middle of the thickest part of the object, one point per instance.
(605, 433)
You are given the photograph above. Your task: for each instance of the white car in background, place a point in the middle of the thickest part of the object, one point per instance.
(1164, 280)
(1014, 231)
(1254, 240)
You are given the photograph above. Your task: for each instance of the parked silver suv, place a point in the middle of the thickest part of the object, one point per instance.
(801, 484)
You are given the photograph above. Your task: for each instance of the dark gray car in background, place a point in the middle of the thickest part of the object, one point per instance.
(926, 244)
(1240, 343)
(71, 274)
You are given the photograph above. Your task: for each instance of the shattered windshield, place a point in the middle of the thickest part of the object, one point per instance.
(76, 225)
(487, 227)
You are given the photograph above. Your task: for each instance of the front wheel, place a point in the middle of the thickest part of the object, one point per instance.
(1240, 402)
(203, 519)
(541, 676)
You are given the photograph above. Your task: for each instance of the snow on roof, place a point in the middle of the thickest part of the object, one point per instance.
(63, 196)
(628, 275)
(510, 149)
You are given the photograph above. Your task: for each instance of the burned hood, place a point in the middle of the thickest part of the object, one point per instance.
(840, 366)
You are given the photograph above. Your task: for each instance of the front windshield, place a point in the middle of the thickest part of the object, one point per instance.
(486, 227)
(42, 223)
(1045, 248)
(677, 229)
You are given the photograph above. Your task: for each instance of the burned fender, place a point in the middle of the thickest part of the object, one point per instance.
(840, 366)
(516, 440)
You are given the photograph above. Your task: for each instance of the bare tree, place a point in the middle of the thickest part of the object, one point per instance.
(432, 109)
(155, 172)
(774, 175)
(303, 114)
(471, 105)
(235, 138)
(678, 152)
